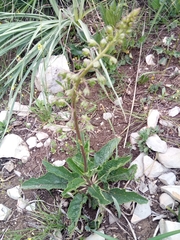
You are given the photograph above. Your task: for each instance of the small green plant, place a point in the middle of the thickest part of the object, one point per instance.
(87, 178)
(43, 111)
(144, 135)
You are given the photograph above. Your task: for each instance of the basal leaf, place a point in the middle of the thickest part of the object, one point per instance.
(105, 152)
(73, 166)
(122, 174)
(123, 196)
(60, 171)
(73, 185)
(74, 210)
(96, 192)
(110, 166)
(48, 181)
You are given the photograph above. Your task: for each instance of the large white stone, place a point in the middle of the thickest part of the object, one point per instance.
(173, 191)
(13, 146)
(168, 226)
(168, 178)
(140, 167)
(153, 117)
(156, 144)
(166, 201)
(47, 76)
(141, 212)
(152, 168)
(171, 158)
(4, 212)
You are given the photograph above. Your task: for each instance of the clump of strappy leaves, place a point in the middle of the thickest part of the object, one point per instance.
(86, 178)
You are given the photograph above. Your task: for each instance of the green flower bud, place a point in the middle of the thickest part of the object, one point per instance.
(92, 81)
(109, 30)
(103, 43)
(86, 91)
(74, 77)
(101, 79)
(92, 43)
(96, 64)
(85, 52)
(86, 62)
(112, 61)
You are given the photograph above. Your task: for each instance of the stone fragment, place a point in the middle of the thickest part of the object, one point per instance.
(143, 187)
(153, 117)
(111, 219)
(152, 168)
(31, 207)
(47, 142)
(21, 110)
(17, 173)
(17, 150)
(107, 115)
(118, 101)
(47, 98)
(59, 163)
(39, 145)
(21, 204)
(4, 212)
(166, 201)
(140, 167)
(57, 128)
(3, 115)
(41, 135)
(32, 142)
(168, 178)
(49, 73)
(165, 123)
(134, 139)
(167, 226)
(58, 235)
(149, 60)
(14, 192)
(152, 187)
(171, 158)
(64, 115)
(173, 191)
(156, 144)
(174, 111)
(9, 166)
(141, 212)
(95, 236)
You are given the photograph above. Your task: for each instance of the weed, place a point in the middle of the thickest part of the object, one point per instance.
(43, 111)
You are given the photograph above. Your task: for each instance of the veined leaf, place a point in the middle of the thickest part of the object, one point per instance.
(73, 185)
(74, 210)
(48, 181)
(122, 174)
(60, 171)
(73, 166)
(110, 166)
(96, 192)
(105, 152)
(123, 196)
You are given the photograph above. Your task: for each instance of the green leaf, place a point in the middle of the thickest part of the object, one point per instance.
(110, 166)
(105, 152)
(96, 192)
(117, 206)
(122, 196)
(165, 235)
(74, 210)
(104, 235)
(48, 181)
(60, 171)
(73, 166)
(122, 174)
(73, 185)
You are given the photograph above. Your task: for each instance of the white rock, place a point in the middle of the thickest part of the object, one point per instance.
(173, 191)
(112, 219)
(59, 163)
(3, 115)
(153, 117)
(9, 166)
(140, 167)
(156, 144)
(165, 123)
(46, 77)
(21, 110)
(31, 207)
(13, 146)
(174, 111)
(21, 204)
(149, 60)
(179, 131)
(58, 235)
(142, 211)
(171, 158)
(152, 187)
(32, 142)
(166, 201)
(168, 178)
(39, 145)
(41, 135)
(14, 192)
(95, 236)
(107, 115)
(47, 142)
(47, 99)
(64, 115)
(168, 226)
(127, 205)
(4, 212)
(152, 168)
(143, 187)
(17, 173)
(118, 101)
(134, 139)
(57, 128)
